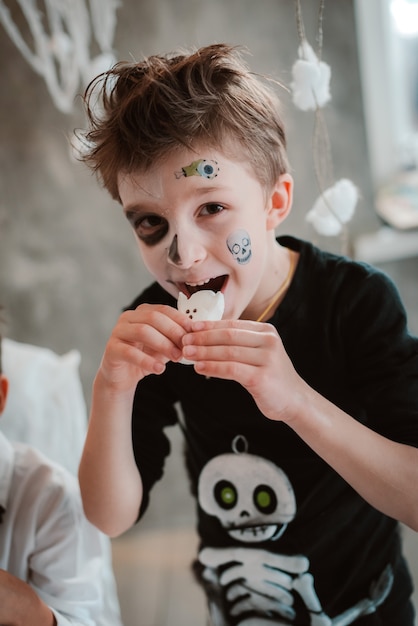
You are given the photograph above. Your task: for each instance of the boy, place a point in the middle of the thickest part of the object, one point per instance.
(51, 557)
(300, 409)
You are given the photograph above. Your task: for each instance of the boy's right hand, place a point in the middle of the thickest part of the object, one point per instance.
(142, 343)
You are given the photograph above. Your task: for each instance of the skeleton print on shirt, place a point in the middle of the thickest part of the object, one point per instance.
(254, 502)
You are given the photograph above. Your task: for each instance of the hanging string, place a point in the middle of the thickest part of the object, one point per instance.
(321, 152)
(321, 144)
(301, 26)
(320, 35)
(299, 21)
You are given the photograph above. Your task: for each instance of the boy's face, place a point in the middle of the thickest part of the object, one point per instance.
(203, 220)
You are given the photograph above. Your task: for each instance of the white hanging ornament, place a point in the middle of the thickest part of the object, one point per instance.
(58, 40)
(311, 80)
(334, 208)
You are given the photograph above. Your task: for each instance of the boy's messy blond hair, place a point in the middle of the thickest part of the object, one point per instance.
(140, 112)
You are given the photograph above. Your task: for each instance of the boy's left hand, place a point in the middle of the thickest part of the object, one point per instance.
(250, 353)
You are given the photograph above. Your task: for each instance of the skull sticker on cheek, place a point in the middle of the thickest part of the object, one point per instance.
(239, 245)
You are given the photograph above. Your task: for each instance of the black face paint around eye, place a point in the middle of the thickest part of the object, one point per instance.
(173, 253)
(155, 230)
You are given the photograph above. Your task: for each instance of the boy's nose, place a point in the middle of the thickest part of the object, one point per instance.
(185, 251)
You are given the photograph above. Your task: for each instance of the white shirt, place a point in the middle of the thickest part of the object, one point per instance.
(46, 541)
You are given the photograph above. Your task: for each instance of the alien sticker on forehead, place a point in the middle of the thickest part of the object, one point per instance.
(201, 167)
(239, 245)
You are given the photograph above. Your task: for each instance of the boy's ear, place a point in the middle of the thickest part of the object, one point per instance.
(4, 388)
(280, 201)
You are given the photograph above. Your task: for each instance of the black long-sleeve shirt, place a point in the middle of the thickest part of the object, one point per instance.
(344, 328)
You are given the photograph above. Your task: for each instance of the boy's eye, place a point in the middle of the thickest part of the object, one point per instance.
(212, 209)
(150, 222)
(150, 228)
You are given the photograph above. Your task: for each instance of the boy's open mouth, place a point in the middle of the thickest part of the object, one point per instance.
(214, 284)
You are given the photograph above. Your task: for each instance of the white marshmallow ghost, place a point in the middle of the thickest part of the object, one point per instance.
(202, 305)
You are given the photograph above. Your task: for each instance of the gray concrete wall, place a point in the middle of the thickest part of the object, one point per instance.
(68, 262)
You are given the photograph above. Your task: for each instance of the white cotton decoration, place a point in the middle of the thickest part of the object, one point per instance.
(311, 79)
(334, 207)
